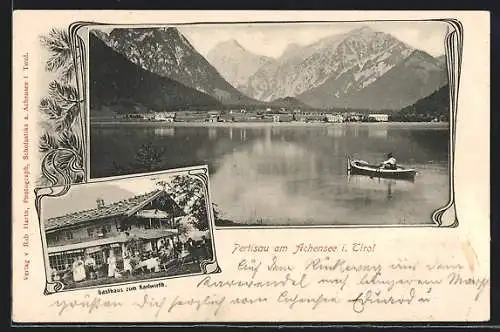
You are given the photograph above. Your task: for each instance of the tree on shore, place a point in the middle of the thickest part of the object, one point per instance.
(190, 194)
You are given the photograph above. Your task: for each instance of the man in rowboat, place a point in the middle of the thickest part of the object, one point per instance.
(390, 163)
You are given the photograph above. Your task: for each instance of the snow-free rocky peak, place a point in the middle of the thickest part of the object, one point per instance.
(168, 53)
(235, 63)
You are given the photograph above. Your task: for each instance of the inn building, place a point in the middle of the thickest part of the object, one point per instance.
(138, 224)
(379, 117)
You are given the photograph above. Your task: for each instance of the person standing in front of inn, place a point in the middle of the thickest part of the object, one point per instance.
(54, 274)
(111, 264)
(127, 266)
(78, 269)
(90, 265)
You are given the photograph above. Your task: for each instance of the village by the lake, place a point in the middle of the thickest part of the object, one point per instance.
(275, 115)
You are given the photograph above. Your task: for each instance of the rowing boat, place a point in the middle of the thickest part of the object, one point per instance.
(361, 167)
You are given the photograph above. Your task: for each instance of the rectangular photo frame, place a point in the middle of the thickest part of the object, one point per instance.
(127, 230)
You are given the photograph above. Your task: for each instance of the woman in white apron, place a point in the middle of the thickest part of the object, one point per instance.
(111, 264)
(78, 269)
(127, 267)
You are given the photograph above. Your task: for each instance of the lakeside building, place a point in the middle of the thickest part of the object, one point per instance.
(214, 113)
(213, 116)
(353, 117)
(379, 117)
(337, 118)
(150, 116)
(134, 116)
(315, 117)
(190, 116)
(164, 116)
(140, 224)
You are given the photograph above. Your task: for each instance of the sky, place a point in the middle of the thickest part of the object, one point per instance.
(272, 39)
(83, 196)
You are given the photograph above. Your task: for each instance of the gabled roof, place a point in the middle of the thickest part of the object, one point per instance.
(125, 207)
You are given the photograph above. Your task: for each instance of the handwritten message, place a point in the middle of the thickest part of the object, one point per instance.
(305, 277)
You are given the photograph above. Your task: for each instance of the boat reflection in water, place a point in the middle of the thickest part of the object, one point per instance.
(164, 131)
(390, 186)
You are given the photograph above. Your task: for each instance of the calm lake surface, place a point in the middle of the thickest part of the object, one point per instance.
(279, 174)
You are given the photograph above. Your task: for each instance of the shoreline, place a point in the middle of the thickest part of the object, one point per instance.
(96, 123)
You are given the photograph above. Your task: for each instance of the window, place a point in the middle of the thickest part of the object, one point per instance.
(102, 230)
(108, 228)
(59, 261)
(98, 257)
(51, 238)
(90, 232)
(68, 235)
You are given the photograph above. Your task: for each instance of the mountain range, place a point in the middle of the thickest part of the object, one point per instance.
(360, 69)
(414, 77)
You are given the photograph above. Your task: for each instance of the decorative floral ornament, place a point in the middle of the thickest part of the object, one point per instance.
(61, 144)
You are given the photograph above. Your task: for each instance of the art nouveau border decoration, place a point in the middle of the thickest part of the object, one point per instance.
(447, 216)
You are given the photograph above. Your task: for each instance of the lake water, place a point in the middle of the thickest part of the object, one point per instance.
(278, 174)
